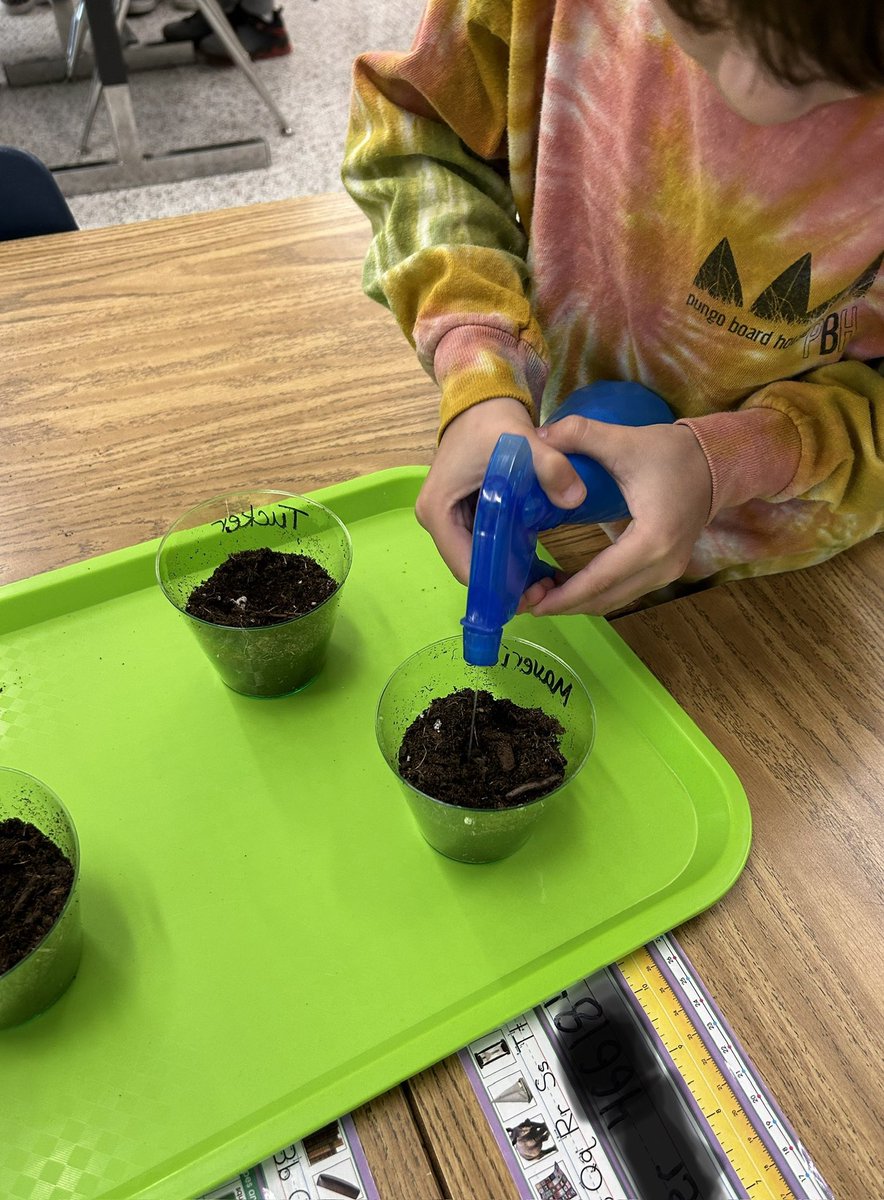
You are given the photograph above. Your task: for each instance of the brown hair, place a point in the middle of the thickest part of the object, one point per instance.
(800, 41)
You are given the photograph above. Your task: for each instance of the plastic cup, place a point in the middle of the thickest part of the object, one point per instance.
(271, 660)
(37, 980)
(527, 675)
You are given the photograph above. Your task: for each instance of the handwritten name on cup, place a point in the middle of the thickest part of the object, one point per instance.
(546, 675)
(286, 519)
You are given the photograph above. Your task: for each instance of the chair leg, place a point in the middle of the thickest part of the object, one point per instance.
(121, 11)
(123, 127)
(214, 14)
(76, 36)
(95, 91)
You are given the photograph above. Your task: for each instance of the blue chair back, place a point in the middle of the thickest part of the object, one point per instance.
(31, 202)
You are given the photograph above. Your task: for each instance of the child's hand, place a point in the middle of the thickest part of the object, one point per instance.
(665, 479)
(446, 503)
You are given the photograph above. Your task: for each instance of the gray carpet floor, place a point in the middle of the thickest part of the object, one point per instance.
(194, 105)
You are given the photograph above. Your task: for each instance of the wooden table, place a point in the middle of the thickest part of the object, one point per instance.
(148, 365)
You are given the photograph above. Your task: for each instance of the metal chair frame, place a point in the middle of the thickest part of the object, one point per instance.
(216, 18)
(132, 167)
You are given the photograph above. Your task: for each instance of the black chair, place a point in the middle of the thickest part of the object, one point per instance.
(31, 202)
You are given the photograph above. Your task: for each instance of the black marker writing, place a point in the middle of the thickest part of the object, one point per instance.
(546, 675)
(234, 521)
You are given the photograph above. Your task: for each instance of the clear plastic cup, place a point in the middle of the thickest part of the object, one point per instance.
(37, 980)
(271, 660)
(526, 674)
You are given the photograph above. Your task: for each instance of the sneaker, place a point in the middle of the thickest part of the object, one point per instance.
(139, 8)
(259, 38)
(17, 8)
(189, 29)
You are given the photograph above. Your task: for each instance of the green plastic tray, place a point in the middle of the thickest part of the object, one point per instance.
(268, 940)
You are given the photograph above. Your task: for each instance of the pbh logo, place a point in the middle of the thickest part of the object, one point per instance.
(832, 334)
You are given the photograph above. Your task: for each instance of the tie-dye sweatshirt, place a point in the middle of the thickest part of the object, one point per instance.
(558, 194)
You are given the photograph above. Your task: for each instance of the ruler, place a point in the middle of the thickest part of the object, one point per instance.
(769, 1162)
(629, 1085)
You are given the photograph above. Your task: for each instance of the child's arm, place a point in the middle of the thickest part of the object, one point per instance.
(426, 160)
(819, 438)
(836, 424)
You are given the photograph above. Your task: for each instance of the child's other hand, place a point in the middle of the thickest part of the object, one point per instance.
(665, 479)
(446, 503)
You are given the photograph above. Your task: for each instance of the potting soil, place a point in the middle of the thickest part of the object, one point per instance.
(512, 757)
(255, 588)
(35, 882)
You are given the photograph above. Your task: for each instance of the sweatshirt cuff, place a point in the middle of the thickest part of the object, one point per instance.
(752, 454)
(473, 363)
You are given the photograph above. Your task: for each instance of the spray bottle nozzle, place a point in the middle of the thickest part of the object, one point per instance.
(512, 509)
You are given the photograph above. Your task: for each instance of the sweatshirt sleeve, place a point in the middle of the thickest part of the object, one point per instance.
(819, 437)
(425, 159)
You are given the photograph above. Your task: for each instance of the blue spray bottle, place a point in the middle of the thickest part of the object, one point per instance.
(513, 509)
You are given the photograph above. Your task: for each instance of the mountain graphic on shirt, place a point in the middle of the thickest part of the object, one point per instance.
(786, 300)
(719, 276)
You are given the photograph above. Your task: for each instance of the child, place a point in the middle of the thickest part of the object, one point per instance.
(687, 194)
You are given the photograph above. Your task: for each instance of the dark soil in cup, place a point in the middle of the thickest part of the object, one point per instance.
(265, 620)
(35, 882)
(255, 588)
(513, 756)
